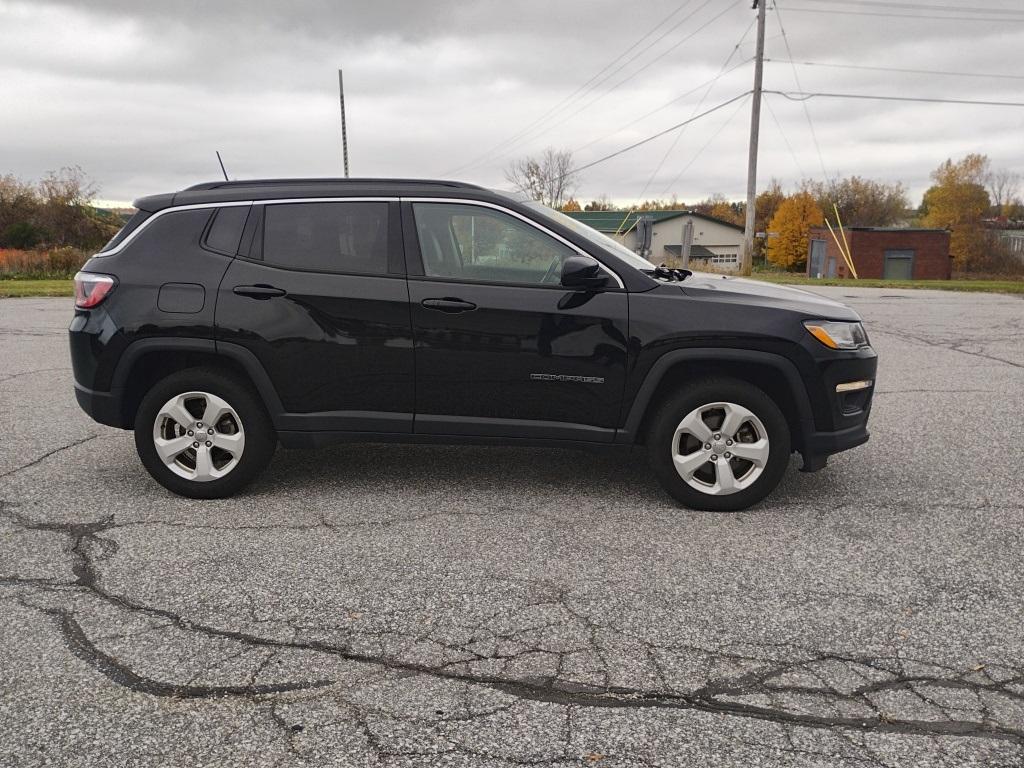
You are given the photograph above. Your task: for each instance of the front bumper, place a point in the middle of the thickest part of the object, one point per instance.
(821, 445)
(846, 413)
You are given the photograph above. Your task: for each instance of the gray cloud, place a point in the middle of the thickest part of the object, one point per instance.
(141, 94)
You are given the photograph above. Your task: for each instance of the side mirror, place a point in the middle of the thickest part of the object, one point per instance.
(582, 272)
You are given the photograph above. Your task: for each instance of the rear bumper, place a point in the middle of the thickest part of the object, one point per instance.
(104, 407)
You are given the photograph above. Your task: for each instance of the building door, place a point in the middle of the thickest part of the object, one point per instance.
(899, 265)
(817, 258)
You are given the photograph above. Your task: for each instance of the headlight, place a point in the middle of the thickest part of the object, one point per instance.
(837, 335)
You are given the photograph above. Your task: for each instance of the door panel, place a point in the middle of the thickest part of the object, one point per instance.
(337, 347)
(501, 348)
(524, 354)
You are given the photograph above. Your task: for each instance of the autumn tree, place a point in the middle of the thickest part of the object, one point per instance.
(720, 207)
(1003, 187)
(602, 203)
(765, 206)
(791, 227)
(19, 204)
(958, 201)
(571, 205)
(672, 204)
(861, 202)
(549, 179)
(56, 211)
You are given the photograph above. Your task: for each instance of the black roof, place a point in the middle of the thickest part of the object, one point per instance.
(266, 189)
(320, 182)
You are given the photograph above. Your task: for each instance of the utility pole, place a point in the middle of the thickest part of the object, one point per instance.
(747, 253)
(687, 244)
(344, 133)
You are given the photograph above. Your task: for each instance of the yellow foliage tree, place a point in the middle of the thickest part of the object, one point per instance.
(958, 202)
(790, 228)
(571, 205)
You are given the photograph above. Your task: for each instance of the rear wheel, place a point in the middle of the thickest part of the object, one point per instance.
(203, 434)
(719, 445)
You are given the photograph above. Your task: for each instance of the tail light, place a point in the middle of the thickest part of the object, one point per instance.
(91, 289)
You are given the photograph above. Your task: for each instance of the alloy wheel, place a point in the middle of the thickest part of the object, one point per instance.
(198, 436)
(720, 448)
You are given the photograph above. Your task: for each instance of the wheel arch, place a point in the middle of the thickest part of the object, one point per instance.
(772, 373)
(146, 361)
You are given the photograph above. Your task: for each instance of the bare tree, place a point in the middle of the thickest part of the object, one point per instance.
(549, 179)
(1003, 187)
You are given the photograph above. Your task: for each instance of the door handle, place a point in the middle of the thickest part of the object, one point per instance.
(449, 304)
(259, 291)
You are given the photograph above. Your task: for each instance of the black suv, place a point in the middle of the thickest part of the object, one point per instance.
(233, 315)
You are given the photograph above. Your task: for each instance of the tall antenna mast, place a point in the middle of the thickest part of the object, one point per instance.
(344, 133)
(222, 166)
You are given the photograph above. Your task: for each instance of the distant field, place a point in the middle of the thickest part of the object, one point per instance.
(980, 286)
(9, 288)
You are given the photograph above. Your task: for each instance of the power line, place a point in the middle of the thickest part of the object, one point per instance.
(919, 6)
(919, 17)
(699, 152)
(897, 69)
(804, 96)
(796, 79)
(595, 81)
(666, 105)
(659, 134)
(626, 79)
(696, 109)
(782, 133)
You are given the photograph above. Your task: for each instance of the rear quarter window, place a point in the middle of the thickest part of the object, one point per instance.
(327, 237)
(225, 231)
(130, 226)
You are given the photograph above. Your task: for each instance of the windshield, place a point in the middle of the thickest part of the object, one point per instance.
(591, 234)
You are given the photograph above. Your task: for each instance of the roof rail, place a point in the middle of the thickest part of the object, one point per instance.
(316, 181)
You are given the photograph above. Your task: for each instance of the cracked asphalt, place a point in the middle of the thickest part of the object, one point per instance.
(470, 606)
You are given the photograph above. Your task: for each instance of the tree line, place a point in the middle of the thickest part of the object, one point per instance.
(54, 212)
(968, 197)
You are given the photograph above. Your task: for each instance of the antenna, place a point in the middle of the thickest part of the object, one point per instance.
(344, 133)
(222, 166)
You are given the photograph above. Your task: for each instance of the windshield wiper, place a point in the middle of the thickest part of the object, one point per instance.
(668, 274)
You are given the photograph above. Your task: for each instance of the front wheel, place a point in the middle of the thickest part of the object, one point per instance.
(719, 445)
(203, 434)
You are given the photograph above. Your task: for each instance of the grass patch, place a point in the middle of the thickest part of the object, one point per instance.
(974, 286)
(12, 288)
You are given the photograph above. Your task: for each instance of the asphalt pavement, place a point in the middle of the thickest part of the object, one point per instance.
(477, 606)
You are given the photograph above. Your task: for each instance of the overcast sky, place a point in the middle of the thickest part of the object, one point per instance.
(140, 94)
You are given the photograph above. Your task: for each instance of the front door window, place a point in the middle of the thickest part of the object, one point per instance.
(475, 244)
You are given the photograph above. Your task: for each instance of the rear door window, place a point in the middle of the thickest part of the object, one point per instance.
(327, 237)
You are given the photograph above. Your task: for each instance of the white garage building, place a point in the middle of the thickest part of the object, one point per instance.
(659, 236)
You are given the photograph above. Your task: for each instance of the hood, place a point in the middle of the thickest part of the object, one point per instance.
(706, 285)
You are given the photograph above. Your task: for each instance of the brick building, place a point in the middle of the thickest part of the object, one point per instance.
(880, 252)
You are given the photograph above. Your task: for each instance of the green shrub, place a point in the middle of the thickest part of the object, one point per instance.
(22, 235)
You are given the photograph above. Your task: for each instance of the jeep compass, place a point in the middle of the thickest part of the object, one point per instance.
(231, 316)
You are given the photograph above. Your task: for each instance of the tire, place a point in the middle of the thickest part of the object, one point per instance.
(231, 452)
(710, 420)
